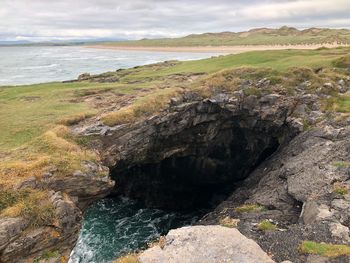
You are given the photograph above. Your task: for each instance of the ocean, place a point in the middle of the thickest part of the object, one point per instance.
(31, 65)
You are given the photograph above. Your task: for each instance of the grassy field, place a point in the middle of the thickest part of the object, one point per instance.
(262, 36)
(33, 118)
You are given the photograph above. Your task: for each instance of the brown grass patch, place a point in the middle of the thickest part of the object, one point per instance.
(143, 107)
(32, 205)
(74, 119)
(129, 258)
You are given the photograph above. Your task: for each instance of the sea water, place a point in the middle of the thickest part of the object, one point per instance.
(114, 227)
(30, 65)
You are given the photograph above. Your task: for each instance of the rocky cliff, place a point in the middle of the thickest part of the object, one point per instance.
(273, 163)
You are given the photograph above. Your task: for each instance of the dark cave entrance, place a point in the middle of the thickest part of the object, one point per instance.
(207, 172)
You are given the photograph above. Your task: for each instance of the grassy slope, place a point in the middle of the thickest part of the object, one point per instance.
(282, 36)
(27, 111)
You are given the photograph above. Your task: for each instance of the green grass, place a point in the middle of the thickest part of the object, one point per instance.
(281, 36)
(280, 60)
(339, 104)
(249, 208)
(47, 255)
(324, 249)
(341, 164)
(23, 118)
(266, 225)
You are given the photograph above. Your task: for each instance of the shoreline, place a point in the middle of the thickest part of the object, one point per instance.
(216, 49)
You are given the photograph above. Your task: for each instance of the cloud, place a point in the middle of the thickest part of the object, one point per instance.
(67, 19)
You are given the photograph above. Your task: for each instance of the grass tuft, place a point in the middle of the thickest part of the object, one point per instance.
(47, 255)
(340, 189)
(266, 225)
(324, 249)
(74, 119)
(248, 208)
(341, 164)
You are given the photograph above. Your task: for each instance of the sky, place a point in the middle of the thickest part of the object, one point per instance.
(42, 20)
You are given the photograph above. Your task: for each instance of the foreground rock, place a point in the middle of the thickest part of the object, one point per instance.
(209, 244)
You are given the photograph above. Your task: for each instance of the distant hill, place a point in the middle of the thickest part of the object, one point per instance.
(72, 42)
(260, 36)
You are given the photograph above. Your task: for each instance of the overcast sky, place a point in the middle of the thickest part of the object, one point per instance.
(71, 19)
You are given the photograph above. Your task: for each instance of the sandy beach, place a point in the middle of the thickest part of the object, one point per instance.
(216, 49)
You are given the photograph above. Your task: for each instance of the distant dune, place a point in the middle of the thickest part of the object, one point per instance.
(216, 49)
(261, 38)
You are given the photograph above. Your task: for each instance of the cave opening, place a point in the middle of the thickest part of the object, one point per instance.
(218, 155)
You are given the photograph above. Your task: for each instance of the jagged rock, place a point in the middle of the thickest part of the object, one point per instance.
(95, 176)
(29, 243)
(210, 244)
(270, 99)
(250, 102)
(10, 229)
(63, 233)
(30, 182)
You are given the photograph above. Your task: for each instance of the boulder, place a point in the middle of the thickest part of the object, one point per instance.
(210, 244)
(313, 212)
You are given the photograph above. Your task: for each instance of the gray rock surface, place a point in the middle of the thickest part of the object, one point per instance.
(10, 229)
(206, 244)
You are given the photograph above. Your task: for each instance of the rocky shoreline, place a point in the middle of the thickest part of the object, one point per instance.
(280, 170)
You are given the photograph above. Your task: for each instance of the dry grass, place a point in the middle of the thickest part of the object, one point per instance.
(74, 119)
(129, 258)
(32, 205)
(229, 222)
(143, 107)
(324, 249)
(53, 148)
(343, 62)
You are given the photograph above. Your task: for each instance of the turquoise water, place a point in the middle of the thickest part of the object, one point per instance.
(113, 227)
(29, 65)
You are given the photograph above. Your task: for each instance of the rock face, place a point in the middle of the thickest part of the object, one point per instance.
(248, 149)
(210, 244)
(69, 196)
(195, 147)
(297, 186)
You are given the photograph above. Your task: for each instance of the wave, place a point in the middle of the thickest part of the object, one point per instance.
(38, 67)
